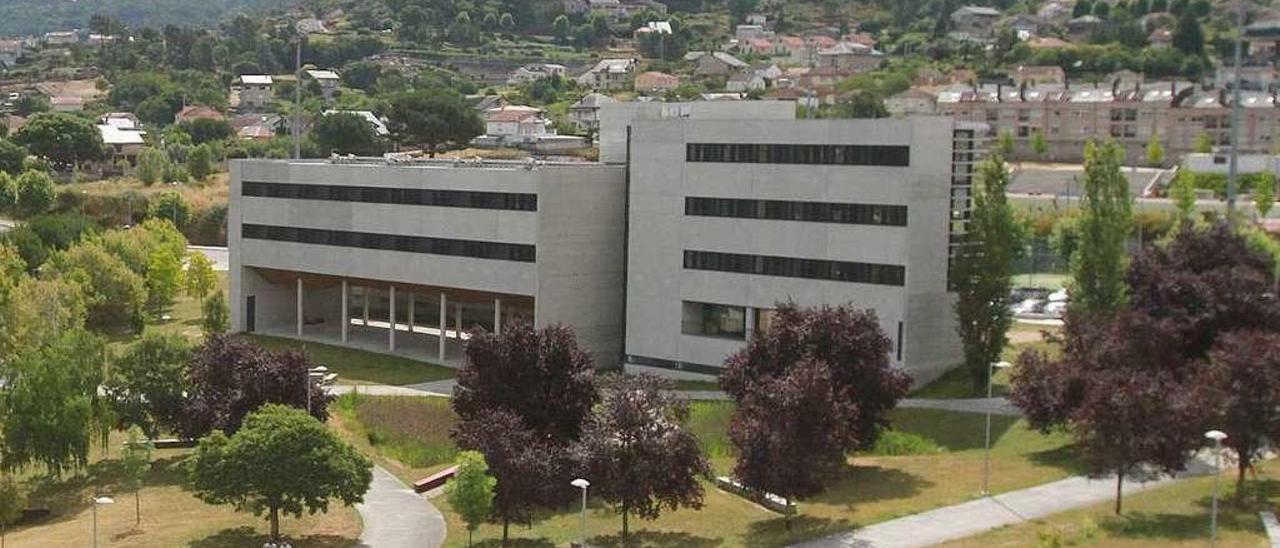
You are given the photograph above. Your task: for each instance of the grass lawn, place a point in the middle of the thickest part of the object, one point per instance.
(956, 382)
(171, 516)
(1174, 515)
(946, 469)
(355, 366)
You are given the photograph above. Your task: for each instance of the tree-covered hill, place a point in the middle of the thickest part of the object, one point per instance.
(24, 17)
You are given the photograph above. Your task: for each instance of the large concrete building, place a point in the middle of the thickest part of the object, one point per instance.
(666, 255)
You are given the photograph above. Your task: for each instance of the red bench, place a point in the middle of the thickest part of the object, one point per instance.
(435, 480)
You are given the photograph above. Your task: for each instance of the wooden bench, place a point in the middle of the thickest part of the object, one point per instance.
(435, 480)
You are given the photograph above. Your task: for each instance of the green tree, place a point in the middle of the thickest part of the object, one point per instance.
(560, 28)
(983, 271)
(433, 117)
(151, 165)
(115, 294)
(171, 207)
(280, 461)
(346, 133)
(200, 162)
(1098, 266)
(63, 139)
(1039, 144)
(51, 404)
(12, 157)
(506, 22)
(1203, 144)
(200, 278)
(13, 500)
(470, 493)
(1004, 143)
(59, 304)
(864, 104)
(1183, 192)
(147, 382)
(1264, 195)
(1188, 37)
(12, 269)
(35, 193)
(217, 318)
(164, 278)
(135, 462)
(8, 193)
(1155, 151)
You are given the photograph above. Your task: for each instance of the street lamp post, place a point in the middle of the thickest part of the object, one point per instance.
(986, 455)
(321, 375)
(583, 485)
(1217, 436)
(98, 501)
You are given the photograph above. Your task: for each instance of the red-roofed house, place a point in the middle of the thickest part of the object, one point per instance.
(651, 81)
(758, 46)
(196, 112)
(515, 121)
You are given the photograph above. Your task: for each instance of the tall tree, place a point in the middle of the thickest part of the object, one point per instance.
(1098, 267)
(59, 303)
(199, 278)
(12, 157)
(215, 316)
(1264, 195)
(1183, 192)
(281, 461)
(1243, 372)
(13, 500)
(147, 383)
(151, 165)
(1188, 37)
(64, 139)
(51, 404)
(136, 462)
(115, 294)
(470, 493)
(1039, 144)
(346, 133)
(983, 271)
(229, 378)
(435, 117)
(35, 193)
(637, 452)
(1155, 151)
(164, 278)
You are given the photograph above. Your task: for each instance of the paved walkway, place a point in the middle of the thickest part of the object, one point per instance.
(981, 515)
(396, 517)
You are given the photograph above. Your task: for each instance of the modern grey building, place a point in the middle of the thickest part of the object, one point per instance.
(666, 255)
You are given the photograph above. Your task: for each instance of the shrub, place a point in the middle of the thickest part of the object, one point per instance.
(170, 206)
(35, 193)
(900, 444)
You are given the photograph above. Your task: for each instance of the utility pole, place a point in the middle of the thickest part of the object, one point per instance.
(1233, 167)
(297, 97)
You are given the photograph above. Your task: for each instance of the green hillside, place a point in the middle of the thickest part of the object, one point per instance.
(24, 17)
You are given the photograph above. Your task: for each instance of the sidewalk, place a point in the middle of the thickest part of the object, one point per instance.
(396, 517)
(984, 514)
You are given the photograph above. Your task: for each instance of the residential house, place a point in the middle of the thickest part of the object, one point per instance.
(61, 38)
(535, 71)
(328, 81)
(11, 51)
(795, 49)
(1054, 11)
(258, 127)
(197, 112)
(742, 33)
(66, 103)
(912, 102)
(744, 82)
(716, 63)
(975, 20)
(1024, 26)
(124, 139)
(651, 82)
(802, 97)
(609, 74)
(757, 19)
(1038, 75)
(757, 46)
(122, 120)
(1161, 38)
(614, 9)
(311, 25)
(1048, 42)
(516, 121)
(485, 103)
(379, 125)
(585, 112)
(1083, 26)
(255, 91)
(850, 57)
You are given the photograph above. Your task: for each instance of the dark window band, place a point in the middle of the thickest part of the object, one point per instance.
(404, 196)
(837, 155)
(778, 210)
(393, 242)
(788, 267)
(674, 365)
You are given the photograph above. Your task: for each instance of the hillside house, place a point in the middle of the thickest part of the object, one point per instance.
(654, 82)
(585, 113)
(255, 91)
(328, 81)
(609, 75)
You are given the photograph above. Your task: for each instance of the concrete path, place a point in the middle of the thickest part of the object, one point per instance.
(219, 255)
(997, 406)
(981, 515)
(396, 517)
(383, 390)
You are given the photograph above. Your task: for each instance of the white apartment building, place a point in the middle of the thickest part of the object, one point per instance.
(666, 255)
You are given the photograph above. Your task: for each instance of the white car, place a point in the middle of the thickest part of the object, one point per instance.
(1056, 309)
(1059, 296)
(1029, 306)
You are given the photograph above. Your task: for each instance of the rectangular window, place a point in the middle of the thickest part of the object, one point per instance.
(843, 155)
(404, 196)
(778, 210)
(391, 242)
(789, 267)
(714, 320)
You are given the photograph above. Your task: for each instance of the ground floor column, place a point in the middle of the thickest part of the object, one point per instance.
(444, 309)
(364, 290)
(346, 315)
(751, 323)
(299, 311)
(391, 318)
(497, 316)
(457, 322)
(411, 313)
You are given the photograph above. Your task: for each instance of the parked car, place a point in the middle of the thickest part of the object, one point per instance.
(1029, 306)
(1056, 309)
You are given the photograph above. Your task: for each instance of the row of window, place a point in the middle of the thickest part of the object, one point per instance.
(721, 320)
(789, 267)
(392, 242)
(404, 196)
(842, 155)
(778, 210)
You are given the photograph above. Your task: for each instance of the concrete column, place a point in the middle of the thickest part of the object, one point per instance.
(497, 316)
(444, 309)
(391, 317)
(457, 321)
(411, 313)
(751, 323)
(299, 311)
(346, 314)
(365, 291)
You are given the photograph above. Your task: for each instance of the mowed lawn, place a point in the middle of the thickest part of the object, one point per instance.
(946, 469)
(355, 366)
(958, 383)
(171, 516)
(1173, 515)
